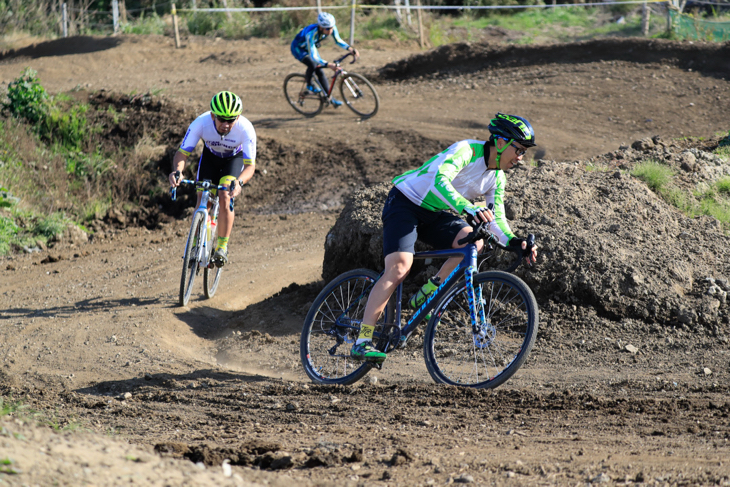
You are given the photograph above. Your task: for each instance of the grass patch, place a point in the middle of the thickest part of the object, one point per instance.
(713, 201)
(654, 174)
(723, 185)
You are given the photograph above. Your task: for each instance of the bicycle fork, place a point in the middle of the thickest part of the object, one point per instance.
(482, 331)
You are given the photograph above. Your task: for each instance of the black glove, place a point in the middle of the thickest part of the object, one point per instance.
(516, 244)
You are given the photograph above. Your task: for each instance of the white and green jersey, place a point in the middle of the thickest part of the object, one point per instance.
(455, 176)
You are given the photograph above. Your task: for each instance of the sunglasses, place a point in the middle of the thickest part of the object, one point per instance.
(518, 150)
(225, 120)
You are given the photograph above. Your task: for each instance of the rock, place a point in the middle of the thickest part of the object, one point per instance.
(706, 371)
(601, 478)
(464, 479)
(373, 379)
(643, 145)
(631, 349)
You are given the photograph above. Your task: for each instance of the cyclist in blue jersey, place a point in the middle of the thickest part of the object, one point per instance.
(304, 48)
(229, 154)
(418, 207)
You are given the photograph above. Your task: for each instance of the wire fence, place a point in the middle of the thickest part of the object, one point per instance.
(82, 20)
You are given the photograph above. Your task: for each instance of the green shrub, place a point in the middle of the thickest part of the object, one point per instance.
(8, 231)
(66, 126)
(26, 97)
(152, 24)
(654, 174)
(49, 226)
(203, 23)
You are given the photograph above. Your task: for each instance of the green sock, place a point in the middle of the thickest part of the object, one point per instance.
(222, 243)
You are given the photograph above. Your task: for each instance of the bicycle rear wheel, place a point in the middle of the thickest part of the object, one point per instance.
(190, 259)
(332, 326)
(300, 98)
(455, 354)
(359, 95)
(211, 273)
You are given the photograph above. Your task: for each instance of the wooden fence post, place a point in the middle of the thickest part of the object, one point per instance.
(225, 5)
(115, 15)
(645, 14)
(122, 11)
(64, 16)
(420, 24)
(352, 22)
(408, 12)
(174, 25)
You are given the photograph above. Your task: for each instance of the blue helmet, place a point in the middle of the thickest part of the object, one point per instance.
(512, 127)
(325, 20)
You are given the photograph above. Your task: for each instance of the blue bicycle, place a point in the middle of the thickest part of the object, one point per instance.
(201, 241)
(481, 330)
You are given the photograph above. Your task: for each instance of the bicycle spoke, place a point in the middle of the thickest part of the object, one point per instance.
(486, 352)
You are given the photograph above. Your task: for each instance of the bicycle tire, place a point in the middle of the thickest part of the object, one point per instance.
(211, 274)
(190, 259)
(299, 98)
(455, 355)
(322, 336)
(360, 95)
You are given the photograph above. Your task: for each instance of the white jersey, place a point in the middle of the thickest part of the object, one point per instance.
(241, 138)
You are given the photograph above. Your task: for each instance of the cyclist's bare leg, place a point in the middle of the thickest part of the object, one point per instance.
(397, 267)
(225, 215)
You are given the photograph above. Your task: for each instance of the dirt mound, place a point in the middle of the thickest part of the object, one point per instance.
(607, 241)
(709, 58)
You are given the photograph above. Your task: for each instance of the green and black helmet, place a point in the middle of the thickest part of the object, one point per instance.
(226, 105)
(514, 128)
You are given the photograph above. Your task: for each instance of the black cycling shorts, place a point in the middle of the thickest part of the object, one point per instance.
(219, 169)
(404, 222)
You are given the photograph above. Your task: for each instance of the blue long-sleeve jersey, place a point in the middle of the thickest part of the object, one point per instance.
(309, 39)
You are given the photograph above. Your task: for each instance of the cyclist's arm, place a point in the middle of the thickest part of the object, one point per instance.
(338, 39)
(447, 172)
(311, 40)
(192, 136)
(178, 163)
(500, 228)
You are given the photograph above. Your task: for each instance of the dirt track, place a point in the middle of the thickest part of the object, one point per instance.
(221, 379)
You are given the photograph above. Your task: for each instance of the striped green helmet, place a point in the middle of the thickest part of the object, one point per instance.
(226, 105)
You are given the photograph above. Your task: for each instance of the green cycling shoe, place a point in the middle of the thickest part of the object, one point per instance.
(366, 352)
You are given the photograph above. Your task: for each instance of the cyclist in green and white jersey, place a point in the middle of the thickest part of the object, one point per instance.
(417, 208)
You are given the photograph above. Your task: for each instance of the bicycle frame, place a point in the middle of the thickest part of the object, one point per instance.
(467, 266)
(203, 255)
(339, 71)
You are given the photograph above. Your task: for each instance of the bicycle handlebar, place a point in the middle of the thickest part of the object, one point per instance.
(205, 184)
(339, 60)
(481, 231)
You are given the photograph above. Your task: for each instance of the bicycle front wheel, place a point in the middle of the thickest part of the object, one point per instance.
(332, 326)
(359, 95)
(300, 98)
(484, 355)
(190, 259)
(211, 273)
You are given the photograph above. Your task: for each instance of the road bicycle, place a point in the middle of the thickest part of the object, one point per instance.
(481, 330)
(357, 92)
(201, 241)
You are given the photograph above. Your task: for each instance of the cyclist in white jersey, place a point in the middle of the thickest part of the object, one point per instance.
(229, 155)
(417, 205)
